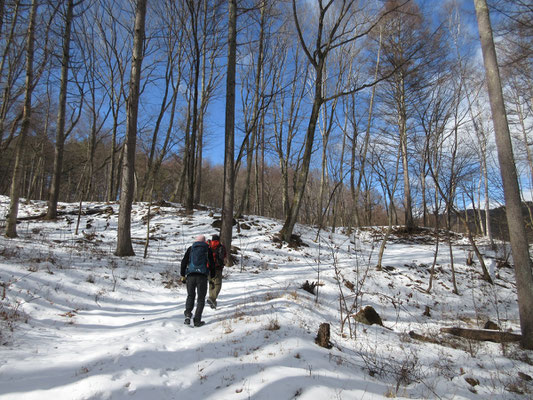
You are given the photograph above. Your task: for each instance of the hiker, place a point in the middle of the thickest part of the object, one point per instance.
(196, 265)
(215, 283)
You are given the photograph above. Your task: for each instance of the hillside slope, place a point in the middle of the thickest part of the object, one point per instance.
(80, 323)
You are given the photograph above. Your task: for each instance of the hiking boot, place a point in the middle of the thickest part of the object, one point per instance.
(187, 321)
(212, 304)
(198, 324)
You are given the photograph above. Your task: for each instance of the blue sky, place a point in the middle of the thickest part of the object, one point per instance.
(214, 144)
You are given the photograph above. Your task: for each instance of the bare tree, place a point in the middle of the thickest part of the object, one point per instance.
(114, 53)
(124, 245)
(60, 128)
(515, 220)
(97, 106)
(252, 114)
(172, 47)
(355, 188)
(11, 226)
(226, 230)
(385, 160)
(286, 118)
(210, 80)
(337, 28)
(408, 47)
(13, 58)
(194, 9)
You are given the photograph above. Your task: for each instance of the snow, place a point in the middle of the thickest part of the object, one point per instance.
(78, 322)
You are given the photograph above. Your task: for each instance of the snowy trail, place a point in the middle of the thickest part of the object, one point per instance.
(139, 347)
(95, 350)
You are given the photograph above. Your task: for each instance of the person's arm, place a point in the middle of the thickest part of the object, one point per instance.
(185, 261)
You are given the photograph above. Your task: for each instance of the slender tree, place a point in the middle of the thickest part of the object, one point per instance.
(336, 29)
(124, 245)
(515, 219)
(106, 23)
(16, 181)
(226, 230)
(10, 55)
(252, 115)
(355, 189)
(60, 128)
(407, 47)
(287, 117)
(194, 7)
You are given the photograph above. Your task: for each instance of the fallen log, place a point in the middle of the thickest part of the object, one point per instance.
(483, 335)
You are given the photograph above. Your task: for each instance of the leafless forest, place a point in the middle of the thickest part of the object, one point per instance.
(395, 89)
(337, 114)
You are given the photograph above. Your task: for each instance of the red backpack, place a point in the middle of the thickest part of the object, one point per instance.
(219, 252)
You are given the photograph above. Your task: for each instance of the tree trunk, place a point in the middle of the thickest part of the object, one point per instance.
(8, 82)
(515, 219)
(488, 226)
(146, 181)
(226, 230)
(390, 189)
(191, 175)
(260, 170)
(124, 245)
(16, 184)
(244, 207)
(60, 129)
(402, 126)
(202, 111)
(356, 190)
(165, 147)
(437, 241)
(180, 184)
(112, 165)
(2, 8)
(523, 129)
(91, 150)
(301, 180)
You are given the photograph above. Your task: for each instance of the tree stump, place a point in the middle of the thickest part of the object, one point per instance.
(427, 312)
(322, 338)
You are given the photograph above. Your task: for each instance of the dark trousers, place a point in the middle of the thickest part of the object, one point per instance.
(196, 283)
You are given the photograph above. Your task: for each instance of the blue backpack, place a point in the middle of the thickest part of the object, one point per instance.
(198, 259)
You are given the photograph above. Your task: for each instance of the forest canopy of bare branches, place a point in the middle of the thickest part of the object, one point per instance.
(402, 128)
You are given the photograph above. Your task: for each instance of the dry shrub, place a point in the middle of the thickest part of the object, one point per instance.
(273, 325)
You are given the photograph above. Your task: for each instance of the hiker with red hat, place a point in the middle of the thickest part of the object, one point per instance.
(218, 252)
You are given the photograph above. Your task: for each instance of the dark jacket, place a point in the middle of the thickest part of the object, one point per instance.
(210, 261)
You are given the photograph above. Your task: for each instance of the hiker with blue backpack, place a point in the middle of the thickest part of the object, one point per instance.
(197, 264)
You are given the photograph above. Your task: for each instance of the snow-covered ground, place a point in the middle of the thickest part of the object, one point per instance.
(77, 322)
